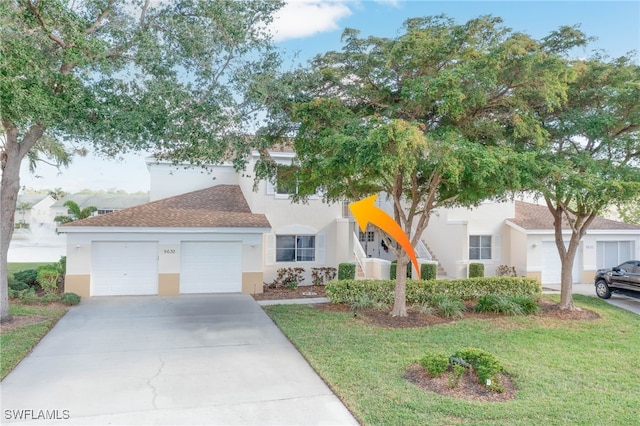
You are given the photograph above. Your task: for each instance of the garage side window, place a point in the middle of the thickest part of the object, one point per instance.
(295, 248)
(479, 247)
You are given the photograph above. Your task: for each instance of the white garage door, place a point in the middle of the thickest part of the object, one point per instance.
(613, 253)
(552, 267)
(211, 267)
(124, 268)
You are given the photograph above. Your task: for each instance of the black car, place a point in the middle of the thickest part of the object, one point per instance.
(623, 278)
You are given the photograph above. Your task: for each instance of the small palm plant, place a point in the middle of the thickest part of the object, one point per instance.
(75, 213)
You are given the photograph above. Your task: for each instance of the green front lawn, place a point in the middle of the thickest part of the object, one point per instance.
(17, 343)
(13, 267)
(566, 372)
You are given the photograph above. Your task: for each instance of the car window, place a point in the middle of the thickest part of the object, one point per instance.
(628, 267)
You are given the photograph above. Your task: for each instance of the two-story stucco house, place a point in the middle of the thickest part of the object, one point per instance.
(204, 231)
(214, 230)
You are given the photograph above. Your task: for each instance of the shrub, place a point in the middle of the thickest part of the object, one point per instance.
(476, 270)
(365, 301)
(509, 305)
(70, 299)
(50, 298)
(347, 271)
(458, 372)
(288, 278)
(529, 304)
(319, 276)
(506, 271)
(420, 292)
(486, 366)
(394, 266)
(17, 285)
(448, 306)
(48, 278)
(62, 263)
(13, 294)
(428, 271)
(498, 304)
(435, 363)
(27, 276)
(291, 285)
(28, 296)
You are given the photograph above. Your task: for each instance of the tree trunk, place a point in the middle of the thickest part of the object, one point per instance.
(400, 295)
(8, 198)
(10, 160)
(566, 277)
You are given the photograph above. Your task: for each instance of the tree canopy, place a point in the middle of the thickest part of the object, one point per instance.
(167, 77)
(431, 117)
(591, 158)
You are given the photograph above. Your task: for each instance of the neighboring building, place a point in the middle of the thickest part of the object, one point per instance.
(34, 210)
(215, 230)
(521, 235)
(105, 203)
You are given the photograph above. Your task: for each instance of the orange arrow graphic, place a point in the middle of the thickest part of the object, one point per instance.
(365, 211)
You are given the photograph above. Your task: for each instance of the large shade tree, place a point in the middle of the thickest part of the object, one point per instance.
(426, 117)
(125, 74)
(591, 159)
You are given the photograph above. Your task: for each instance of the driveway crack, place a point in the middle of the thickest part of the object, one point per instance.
(153, 389)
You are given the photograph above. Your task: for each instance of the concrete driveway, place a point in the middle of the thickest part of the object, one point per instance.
(192, 359)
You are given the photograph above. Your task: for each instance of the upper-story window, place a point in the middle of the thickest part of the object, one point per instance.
(479, 247)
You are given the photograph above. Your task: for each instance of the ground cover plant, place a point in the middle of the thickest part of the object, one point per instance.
(29, 325)
(556, 365)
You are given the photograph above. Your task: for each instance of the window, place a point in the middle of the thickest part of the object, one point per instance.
(479, 247)
(295, 248)
(368, 236)
(286, 182)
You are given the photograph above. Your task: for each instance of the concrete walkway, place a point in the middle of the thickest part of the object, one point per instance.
(623, 301)
(193, 359)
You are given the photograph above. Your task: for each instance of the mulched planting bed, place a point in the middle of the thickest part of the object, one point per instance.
(300, 292)
(467, 387)
(18, 321)
(381, 317)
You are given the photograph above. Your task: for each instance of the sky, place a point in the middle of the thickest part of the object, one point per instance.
(305, 28)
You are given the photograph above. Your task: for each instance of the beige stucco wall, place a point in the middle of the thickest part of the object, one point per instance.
(79, 284)
(168, 284)
(252, 283)
(535, 274)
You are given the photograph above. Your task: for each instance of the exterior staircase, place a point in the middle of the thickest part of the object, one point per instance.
(441, 271)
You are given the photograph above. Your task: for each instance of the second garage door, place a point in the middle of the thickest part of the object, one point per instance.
(211, 267)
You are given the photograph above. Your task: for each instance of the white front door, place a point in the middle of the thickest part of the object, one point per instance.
(552, 267)
(211, 267)
(124, 268)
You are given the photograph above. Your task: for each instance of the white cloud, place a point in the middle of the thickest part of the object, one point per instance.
(392, 3)
(304, 18)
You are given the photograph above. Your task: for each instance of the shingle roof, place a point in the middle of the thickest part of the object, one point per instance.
(219, 206)
(533, 216)
(30, 200)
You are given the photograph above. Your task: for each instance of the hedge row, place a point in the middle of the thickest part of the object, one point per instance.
(419, 292)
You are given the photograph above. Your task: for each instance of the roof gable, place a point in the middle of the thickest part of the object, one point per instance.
(219, 206)
(533, 216)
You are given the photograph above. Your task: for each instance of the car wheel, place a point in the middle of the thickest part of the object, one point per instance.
(602, 289)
